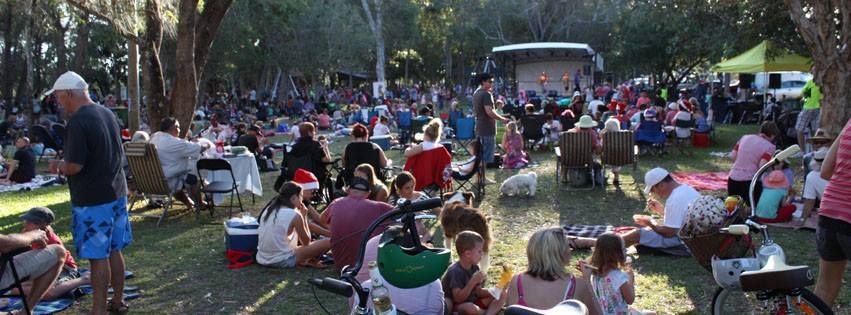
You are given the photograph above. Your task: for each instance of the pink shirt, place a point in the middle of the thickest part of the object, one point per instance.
(348, 218)
(836, 202)
(747, 153)
(324, 120)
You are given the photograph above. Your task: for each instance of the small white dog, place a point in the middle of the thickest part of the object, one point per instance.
(517, 183)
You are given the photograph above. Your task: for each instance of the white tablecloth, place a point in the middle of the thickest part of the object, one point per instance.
(246, 173)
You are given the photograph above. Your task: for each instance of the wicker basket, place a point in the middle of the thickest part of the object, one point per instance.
(725, 246)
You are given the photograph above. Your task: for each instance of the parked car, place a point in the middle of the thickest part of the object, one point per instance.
(788, 90)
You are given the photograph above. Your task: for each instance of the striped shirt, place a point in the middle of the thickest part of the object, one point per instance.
(748, 152)
(836, 202)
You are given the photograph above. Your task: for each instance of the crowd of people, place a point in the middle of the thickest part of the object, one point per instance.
(292, 233)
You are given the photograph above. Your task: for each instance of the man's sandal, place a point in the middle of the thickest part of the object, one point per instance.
(119, 308)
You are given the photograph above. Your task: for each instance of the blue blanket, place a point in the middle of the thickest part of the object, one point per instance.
(61, 304)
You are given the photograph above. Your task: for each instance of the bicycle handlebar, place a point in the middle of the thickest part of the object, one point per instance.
(333, 285)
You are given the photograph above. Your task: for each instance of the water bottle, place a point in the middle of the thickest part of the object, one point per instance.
(380, 295)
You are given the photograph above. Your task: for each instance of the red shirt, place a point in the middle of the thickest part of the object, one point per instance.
(348, 219)
(53, 239)
(836, 202)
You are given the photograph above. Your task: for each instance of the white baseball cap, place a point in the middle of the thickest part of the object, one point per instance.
(653, 177)
(68, 81)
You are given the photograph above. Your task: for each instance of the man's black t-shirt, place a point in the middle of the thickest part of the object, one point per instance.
(25, 171)
(93, 141)
(249, 142)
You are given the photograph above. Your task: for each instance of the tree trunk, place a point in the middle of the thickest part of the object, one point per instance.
(826, 30)
(8, 43)
(185, 91)
(133, 84)
(82, 49)
(27, 93)
(375, 25)
(152, 72)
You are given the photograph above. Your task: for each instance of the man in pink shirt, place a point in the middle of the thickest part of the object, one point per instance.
(348, 218)
(833, 236)
(749, 154)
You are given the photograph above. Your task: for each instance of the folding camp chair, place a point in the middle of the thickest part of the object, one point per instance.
(219, 187)
(532, 131)
(7, 259)
(404, 123)
(475, 180)
(147, 176)
(40, 134)
(619, 150)
(59, 132)
(574, 153)
(465, 133)
(682, 141)
(417, 125)
(432, 169)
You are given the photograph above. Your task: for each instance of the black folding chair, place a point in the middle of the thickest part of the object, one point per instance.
(532, 131)
(218, 187)
(39, 134)
(59, 131)
(7, 260)
(474, 180)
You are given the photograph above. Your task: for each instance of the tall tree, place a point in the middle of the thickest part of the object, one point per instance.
(9, 43)
(825, 26)
(375, 18)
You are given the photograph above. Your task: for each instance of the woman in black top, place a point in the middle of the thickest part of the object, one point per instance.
(360, 151)
(317, 150)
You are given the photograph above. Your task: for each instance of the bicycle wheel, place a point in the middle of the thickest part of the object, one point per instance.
(737, 302)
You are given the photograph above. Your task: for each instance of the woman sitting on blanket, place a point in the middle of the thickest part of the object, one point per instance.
(284, 240)
(40, 218)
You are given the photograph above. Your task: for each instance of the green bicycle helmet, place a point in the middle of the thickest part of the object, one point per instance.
(406, 265)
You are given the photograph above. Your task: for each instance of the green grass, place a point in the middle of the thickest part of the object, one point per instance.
(181, 269)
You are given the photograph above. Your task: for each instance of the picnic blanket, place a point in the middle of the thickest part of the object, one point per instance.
(37, 182)
(810, 224)
(589, 231)
(64, 302)
(702, 180)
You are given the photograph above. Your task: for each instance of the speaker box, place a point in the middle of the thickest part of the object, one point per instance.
(745, 80)
(774, 81)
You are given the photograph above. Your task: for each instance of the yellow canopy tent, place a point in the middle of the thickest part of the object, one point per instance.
(764, 58)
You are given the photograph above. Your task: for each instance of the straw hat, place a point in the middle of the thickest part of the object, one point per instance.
(820, 136)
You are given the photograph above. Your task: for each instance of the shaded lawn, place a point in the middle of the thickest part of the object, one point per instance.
(180, 266)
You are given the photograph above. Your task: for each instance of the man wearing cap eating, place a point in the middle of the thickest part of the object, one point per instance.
(677, 199)
(98, 189)
(813, 186)
(348, 218)
(309, 184)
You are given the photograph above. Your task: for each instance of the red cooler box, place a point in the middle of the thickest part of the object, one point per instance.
(700, 140)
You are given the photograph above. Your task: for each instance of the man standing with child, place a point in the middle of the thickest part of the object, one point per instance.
(98, 188)
(486, 117)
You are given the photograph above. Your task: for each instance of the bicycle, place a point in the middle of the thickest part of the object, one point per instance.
(347, 285)
(763, 284)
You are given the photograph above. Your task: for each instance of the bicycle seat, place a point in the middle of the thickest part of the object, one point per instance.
(776, 275)
(569, 307)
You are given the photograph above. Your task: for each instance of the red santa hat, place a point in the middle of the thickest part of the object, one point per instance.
(306, 179)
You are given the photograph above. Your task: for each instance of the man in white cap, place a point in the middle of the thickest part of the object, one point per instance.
(813, 186)
(93, 156)
(677, 199)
